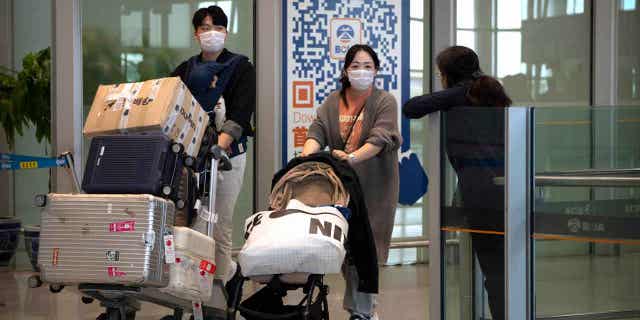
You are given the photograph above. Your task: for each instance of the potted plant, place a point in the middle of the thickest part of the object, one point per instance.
(25, 97)
(25, 101)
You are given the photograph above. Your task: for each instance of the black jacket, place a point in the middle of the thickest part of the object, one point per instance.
(418, 107)
(239, 95)
(475, 147)
(360, 243)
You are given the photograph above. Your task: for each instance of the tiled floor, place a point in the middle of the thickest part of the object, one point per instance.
(403, 296)
(564, 285)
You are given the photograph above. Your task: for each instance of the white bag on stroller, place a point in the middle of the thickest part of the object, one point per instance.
(297, 239)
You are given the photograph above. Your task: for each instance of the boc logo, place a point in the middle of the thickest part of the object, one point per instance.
(344, 34)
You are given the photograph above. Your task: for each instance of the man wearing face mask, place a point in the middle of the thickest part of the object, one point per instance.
(224, 83)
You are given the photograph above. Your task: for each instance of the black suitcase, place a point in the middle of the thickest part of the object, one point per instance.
(134, 164)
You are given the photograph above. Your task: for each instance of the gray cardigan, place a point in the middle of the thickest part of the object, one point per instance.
(378, 175)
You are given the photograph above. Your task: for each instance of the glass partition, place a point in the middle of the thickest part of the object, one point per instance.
(628, 52)
(565, 247)
(586, 213)
(410, 221)
(472, 213)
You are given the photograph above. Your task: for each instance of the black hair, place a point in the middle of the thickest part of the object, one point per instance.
(216, 13)
(351, 54)
(460, 64)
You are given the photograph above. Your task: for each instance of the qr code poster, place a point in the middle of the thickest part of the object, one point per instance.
(317, 35)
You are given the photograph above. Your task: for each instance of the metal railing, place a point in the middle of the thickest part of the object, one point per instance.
(586, 178)
(409, 244)
(609, 315)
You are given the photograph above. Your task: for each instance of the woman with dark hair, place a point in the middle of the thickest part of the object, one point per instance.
(475, 148)
(359, 123)
(463, 82)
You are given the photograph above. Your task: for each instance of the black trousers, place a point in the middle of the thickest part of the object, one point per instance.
(490, 252)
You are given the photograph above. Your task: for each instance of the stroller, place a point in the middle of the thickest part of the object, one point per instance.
(292, 246)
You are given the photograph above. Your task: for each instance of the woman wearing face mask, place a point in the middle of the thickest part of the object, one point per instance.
(359, 123)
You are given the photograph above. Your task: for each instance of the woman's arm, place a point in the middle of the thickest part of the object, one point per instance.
(366, 152)
(318, 132)
(418, 107)
(384, 133)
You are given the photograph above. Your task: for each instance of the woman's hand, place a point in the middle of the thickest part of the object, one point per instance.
(311, 146)
(340, 155)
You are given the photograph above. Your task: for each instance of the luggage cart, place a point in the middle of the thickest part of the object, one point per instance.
(123, 302)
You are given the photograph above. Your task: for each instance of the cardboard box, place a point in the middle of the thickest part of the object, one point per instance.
(153, 106)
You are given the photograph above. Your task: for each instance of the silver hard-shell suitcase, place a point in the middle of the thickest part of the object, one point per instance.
(105, 239)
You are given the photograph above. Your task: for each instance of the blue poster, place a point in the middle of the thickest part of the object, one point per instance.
(317, 35)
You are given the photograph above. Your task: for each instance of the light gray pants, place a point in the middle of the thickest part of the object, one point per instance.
(228, 189)
(356, 302)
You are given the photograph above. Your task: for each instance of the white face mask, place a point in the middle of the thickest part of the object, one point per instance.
(212, 41)
(360, 79)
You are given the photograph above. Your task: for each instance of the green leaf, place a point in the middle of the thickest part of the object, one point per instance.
(25, 97)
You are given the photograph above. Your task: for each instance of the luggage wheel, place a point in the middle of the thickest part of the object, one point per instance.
(177, 148)
(87, 300)
(166, 190)
(56, 288)
(189, 161)
(180, 204)
(40, 200)
(34, 282)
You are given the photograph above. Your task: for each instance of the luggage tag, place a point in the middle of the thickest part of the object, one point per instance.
(169, 249)
(205, 270)
(197, 310)
(205, 282)
(205, 214)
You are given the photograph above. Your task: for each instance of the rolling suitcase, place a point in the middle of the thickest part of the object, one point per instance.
(105, 239)
(134, 164)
